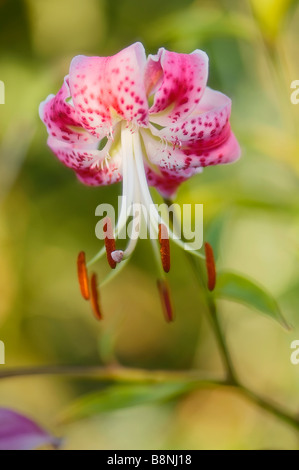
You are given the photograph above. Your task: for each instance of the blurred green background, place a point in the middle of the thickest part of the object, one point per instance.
(250, 212)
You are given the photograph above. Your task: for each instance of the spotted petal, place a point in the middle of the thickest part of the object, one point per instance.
(93, 167)
(167, 181)
(178, 82)
(208, 123)
(110, 173)
(108, 89)
(203, 139)
(61, 118)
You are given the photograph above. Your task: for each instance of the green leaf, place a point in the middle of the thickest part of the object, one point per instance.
(123, 396)
(235, 287)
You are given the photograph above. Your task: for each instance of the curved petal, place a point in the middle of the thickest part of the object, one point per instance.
(227, 152)
(93, 167)
(61, 118)
(178, 81)
(168, 181)
(107, 89)
(203, 139)
(191, 155)
(208, 124)
(75, 157)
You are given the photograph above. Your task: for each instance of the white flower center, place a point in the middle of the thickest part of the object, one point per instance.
(136, 192)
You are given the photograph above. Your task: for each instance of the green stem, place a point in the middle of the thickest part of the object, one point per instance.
(113, 373)
(269, 406)
(119, 374)
(214, 321)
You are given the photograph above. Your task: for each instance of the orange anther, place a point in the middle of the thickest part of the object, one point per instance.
(82, 275)
(109, 241)
(165, 300)
(211, 268)
(164, 247)
(95, 300)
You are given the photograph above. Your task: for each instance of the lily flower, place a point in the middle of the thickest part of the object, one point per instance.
(145, 121)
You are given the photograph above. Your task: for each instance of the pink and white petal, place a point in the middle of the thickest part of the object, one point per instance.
(192, 154)
(163, 154)
(208, 124)
(227, 152)
(76, 157)
(167, 181)
(153, 77)
(184, 78)
(61, 118)
(109, 174)
(107, 89)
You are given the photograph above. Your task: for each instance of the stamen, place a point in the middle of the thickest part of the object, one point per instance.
(83, 275)
(109, 241)
(164, 247)
(95, 297)
(165, 299)
(211, 268)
